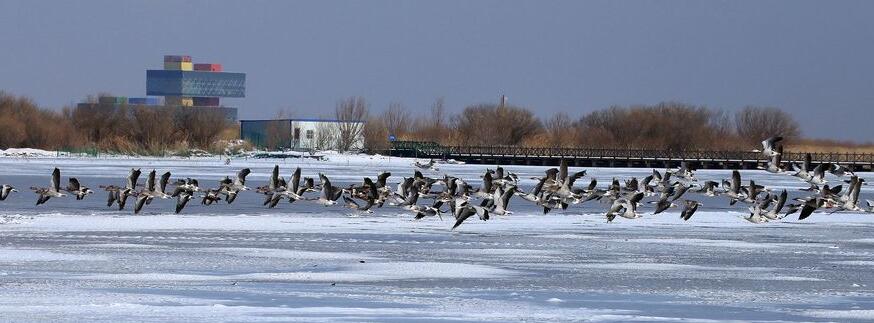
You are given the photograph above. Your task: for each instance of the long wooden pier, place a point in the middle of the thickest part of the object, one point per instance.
(635, 158)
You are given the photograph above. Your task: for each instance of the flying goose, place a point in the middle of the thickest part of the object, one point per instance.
(230, 188)
(5, 190)
(803, 171)
(734, 188)
(645, 185)
(463, 210)
(210, 196)
(625, 207)
(423, 211)
(485, 191)
(54, 189)
(818, 176)
(751, 193)
(274, 182)
(73, 187)
(679, 190)
(188, 184)
(662, 204)
(154, 189)
(662, 181)
(850, 200)
(119, 195)
(840, 171)
(329, 194)
(709, 188)
(350, 203)
(810, 205)
(774, 212)
(689, 209)
(775, 162)
(293, 191)
(501, 199)
(430, 165)
(535, 194)
(549, 202)
(184, 192)
(685, 172)
(769, 146)
(406, 193)
(757, 210)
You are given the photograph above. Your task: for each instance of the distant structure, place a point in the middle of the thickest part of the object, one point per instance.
(301, 134)
(185, 86)
(184, 83)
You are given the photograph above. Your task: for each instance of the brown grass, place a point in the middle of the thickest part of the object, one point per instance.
(830, 146)
(127, 130)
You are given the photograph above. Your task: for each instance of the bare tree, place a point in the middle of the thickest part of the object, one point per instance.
(376, 136)
(436, 127)
(13, 132)
(351, 114)
(560, 130)
(153, 128)
(669, 125)
(326, 137)
(438, 114)
(754, 124)
(490, 124)
(396, 119)
(202, 127)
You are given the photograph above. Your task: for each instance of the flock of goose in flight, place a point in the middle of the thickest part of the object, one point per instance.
(554, 190)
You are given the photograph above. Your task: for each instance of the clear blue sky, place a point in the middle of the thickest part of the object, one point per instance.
(813, 58)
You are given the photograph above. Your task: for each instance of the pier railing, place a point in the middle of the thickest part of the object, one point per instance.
(434, 150)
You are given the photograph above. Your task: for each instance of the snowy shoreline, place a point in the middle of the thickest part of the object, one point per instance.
(81, 261)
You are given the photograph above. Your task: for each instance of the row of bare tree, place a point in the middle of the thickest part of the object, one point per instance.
(152, 130)
(127, 129)
(24, 124)
(148, 130)
(670, 125)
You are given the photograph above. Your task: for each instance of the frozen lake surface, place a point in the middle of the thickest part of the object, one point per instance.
(81, 261)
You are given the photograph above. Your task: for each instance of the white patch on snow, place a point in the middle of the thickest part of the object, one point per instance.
(120, 246)
(645, 266)
(783, 278)
(364, 272)
(504, 252)
(25, 255)
(854, 262)
(291, 254)
(723, 243)
(841, 314)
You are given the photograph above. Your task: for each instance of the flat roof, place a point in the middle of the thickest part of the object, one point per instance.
(302, 119)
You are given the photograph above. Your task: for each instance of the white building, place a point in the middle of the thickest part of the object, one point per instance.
(304, 134)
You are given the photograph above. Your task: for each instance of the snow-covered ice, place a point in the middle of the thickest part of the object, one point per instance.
(80, 261)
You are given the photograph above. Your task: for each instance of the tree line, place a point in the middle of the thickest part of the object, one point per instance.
(664, 126)
(126, 129)
(153, 130)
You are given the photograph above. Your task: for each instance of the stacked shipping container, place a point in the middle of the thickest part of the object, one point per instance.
(178, 63)
(177, 58)
(143, 101)
(208, 67)
(179, 101)
(113, 100)
(184, 63)
(206, 101)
